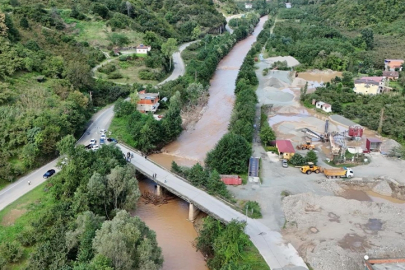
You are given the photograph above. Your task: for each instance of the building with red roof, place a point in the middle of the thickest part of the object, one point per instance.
(285, 148)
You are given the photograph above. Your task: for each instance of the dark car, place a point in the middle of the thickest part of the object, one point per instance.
(89, 146)
(112, 140)
(49, 173)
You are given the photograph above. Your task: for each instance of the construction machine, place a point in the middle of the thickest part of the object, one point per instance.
(306, 146)
(310, 168)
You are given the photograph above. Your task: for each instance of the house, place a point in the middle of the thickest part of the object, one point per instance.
(288, 5)
(391, 75)
(373, 144)
(116, 52)
(285, 148)
(248, 5)
(370, 85)
(393, 64)
(149, 102)
(143, 49)
(231, 179)
(324, 106)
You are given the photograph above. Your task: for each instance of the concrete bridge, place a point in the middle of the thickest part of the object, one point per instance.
(271, 245)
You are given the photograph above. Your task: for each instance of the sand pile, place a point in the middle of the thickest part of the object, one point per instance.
(274, 82)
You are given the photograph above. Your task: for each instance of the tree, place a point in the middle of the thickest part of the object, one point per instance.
(196, 32)
(24, 23)
(337, 107)
(134, 98)
(117, 39)
(168, 48)
(101, 10)
(267, 135)
(79, 75)
(124, 187)
(311, 157)
(128, 243)
(304, 91)
(297, 160)
(230, 155)
(214, 183)
(368, 37)
(3, 26)
(197, 175)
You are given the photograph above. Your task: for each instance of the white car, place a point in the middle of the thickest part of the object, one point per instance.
(103, 137)
(103, 131)
(93, 141)
(95, 147)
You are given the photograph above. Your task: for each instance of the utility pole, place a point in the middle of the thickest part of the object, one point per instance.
(379, 130)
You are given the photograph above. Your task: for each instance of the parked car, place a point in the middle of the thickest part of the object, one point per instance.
(93, 141)
(284, 163)
(103, 131)
(95, 147)
(89, 146)
(112, 140)
(49, 173)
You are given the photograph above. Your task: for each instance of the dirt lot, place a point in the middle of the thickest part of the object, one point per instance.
(329, 228)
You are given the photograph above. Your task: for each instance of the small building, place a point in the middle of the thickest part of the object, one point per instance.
(143, 49)
(231, 179)
(149, 102)
(285, 149)
(391, 75)
(288, 5)
(116, 52)
(248, 5)
(370, 85)
(324, 106)
(373, 144)
(393, 64)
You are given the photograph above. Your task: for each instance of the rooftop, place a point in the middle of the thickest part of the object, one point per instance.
(385, 264)
(375, 140)
(285, 146)
(390, 73)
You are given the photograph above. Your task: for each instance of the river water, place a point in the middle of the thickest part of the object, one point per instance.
(174, 233)
(192, 145)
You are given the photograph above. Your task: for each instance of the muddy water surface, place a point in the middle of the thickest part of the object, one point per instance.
(174, 232)
(193, 145)
(371, 196)
(319, 76)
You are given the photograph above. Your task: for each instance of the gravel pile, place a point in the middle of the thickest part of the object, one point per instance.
(345, 230)
(383, 188)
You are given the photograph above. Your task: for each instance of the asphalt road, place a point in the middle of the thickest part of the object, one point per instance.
(101, 120)
(271, 245)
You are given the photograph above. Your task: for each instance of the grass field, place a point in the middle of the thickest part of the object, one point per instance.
(118, 127)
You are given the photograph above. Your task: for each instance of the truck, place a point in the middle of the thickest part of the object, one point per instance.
(329, 173)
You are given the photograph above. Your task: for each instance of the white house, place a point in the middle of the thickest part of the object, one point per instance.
(248, 5)
(324, 106)
(288, 5)
(142, 49)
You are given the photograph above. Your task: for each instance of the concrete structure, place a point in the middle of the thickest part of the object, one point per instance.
(231, 179)
(373, 144)
(384, 264)
(391, 75)
(142, 49)
(253, 171)
(393, 64)
(248, 5)
(285, 149)
(288, 5)
(278, 254)
(369, 85)
(149, 102)
(324, 106)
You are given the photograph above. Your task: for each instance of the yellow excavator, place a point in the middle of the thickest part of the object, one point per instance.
(310, 168)
(306, 146)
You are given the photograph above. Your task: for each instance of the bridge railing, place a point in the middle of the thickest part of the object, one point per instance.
(222, 199)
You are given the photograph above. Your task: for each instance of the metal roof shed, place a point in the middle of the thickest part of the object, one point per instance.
(373, 144)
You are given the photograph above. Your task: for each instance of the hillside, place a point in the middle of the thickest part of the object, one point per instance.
(47, 51)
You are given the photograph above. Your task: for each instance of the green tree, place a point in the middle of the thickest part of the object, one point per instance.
(128, 243)
(117, 39)
(24, 23)
(79, 75)
(230, 155)
(123, 186)
(267, 135)
(168, 48)
(101, 10)
(197, 175)
(196, 32)
(297, 160)
(367, 35)
(311, 157)
(337, 107)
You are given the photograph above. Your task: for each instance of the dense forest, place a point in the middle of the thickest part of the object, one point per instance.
(46, 86)
(78, 220)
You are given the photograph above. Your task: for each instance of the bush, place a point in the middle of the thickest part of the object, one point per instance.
(107, 69)
(253, 209)
(27, 237)
(123, 57)
(11, 252)
(146, 74)
(115, 75)
(311, 157)
(297, 160)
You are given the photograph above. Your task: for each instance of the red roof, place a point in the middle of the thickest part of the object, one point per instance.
(231, 179)
(285, 146)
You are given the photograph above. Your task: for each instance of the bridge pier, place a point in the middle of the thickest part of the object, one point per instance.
(158, 190)
(192, 212)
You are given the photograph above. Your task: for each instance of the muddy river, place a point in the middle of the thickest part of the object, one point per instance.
(174, 233)
(192, 145)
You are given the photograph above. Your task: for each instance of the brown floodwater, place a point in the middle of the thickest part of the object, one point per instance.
(371, 196)
(174, 233)
(319, 76)
(192, 145)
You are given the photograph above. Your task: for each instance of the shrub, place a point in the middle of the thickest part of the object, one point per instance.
(297, 160)
(11, 252)
(115, 75)
(146, 74)
(107, 69)
(253, 209)
(123, 57)
(311, 157)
